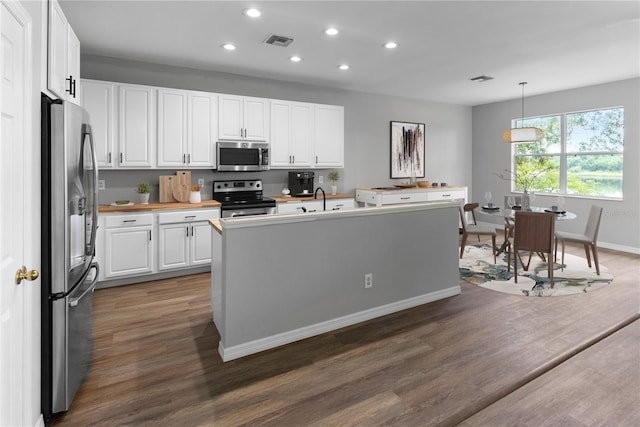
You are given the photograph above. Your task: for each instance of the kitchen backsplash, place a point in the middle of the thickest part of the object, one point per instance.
(121, 184)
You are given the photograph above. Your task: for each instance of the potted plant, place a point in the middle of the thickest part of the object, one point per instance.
(144, 190)
(333, 176)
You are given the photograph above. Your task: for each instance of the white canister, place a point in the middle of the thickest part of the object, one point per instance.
(195, 197)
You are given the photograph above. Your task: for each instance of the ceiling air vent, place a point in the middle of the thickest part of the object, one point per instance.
(277, 40)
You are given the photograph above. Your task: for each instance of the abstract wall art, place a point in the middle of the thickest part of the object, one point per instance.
(407, 150)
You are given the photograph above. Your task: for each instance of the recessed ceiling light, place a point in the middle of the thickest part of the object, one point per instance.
(331, 31)
(252, 13)
(295, 59)
(391, 45)
(229, 46)
(344, 66)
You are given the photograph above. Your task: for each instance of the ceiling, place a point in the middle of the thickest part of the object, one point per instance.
(553, 45)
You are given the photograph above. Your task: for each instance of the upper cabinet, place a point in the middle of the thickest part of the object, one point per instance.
(136, 126)
(243, 118)
(187, 128)
(329, 136)
(291, 134)
(99, 99)
(63, 71)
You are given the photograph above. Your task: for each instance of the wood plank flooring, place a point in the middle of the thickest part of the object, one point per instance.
(459, 360)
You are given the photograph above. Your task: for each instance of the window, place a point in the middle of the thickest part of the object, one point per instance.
(581, 154)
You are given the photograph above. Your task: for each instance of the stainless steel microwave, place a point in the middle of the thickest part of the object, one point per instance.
(242, 156)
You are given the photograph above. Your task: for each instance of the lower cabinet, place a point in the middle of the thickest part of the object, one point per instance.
(315, 205)
(128, 245)
(134, 244)
(184, 239)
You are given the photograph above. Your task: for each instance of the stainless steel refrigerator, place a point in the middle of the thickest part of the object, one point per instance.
(69, 271)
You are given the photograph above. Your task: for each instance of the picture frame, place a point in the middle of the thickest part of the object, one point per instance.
(407, 150)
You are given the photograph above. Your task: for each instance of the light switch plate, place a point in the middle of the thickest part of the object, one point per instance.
(200, 182)
(321, 179)
(101, 185)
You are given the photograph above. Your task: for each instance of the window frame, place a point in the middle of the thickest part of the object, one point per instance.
(563, 155)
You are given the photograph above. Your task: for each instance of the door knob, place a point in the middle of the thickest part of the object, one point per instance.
(23, 274)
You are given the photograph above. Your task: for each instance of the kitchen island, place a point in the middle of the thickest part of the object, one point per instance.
(282, 278)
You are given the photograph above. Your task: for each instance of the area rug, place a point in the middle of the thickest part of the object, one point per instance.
(477, 267)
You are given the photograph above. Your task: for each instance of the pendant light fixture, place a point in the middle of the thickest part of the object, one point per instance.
(525, 134)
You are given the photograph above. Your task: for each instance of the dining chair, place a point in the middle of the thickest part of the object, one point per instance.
(477, 229)
(588, 239)
(471, 207)
(533, 232)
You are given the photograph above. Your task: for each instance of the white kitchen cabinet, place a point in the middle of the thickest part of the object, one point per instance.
(340, 204)
(329, 136)
(172, 128)
(243, 118)
(377, 197)
(136, 126)
(185, 238)
(63, 68)
(128, 245)
(292, 134)
(98, 98)
(202, 129)
(313, 205)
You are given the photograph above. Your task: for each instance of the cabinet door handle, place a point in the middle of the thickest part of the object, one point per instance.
(192, 231)
(405, 198)
(189, 216)
(109, 157)
(294, 158)
(183, 159)
(316, 159)
(446, 195)
(129, 220)
(120, 157)
(73, 86)
(149, 235)
(187, 230)
(70, 90)
(189, 158)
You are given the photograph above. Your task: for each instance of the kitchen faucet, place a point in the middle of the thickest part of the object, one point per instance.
(324, 198)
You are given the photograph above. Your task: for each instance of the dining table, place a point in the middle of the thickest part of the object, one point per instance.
(509, 215)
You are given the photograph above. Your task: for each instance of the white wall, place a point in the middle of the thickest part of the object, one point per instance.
(367, 117)
(620, 227)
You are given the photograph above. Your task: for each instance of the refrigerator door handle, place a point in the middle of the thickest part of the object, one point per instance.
(86, 132)
(75, 301)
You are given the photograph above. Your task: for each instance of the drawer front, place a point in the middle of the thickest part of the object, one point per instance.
(188, 216)
(393, 198)
(299, 207)
(445, 195)
(334, 205)
(367, 197)
(129, 220)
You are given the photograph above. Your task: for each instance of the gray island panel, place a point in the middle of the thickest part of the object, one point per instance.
(282, 278)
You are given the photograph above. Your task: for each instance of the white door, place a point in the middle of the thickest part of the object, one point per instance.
(173, 246)
(98, 98)
(200, 243)
(128, 251)
(230, 117)
(19, 220)
(136, 125)
(172, 128)
(280, 154)
(202, 129)
(302, 134)
(329, 136)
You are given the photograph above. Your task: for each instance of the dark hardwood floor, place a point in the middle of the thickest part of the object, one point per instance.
(479, 358)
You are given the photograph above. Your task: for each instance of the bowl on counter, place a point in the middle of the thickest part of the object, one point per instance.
(423, 184)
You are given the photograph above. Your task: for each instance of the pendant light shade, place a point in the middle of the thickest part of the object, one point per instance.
(524, 134)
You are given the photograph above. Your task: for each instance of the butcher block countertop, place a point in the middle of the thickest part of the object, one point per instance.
(286, 199)
(411, 188)
(137, 207)
(215, 224)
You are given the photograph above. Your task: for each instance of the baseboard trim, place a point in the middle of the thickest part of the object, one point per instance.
(277, 340)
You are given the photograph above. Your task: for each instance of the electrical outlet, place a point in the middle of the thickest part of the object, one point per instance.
(200, 182)
(101, 185)
(368, 280)
(321, 179)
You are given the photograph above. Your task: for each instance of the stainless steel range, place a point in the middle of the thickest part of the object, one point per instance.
(242, 198)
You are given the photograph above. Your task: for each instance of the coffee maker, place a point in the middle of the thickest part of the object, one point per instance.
(301, 184)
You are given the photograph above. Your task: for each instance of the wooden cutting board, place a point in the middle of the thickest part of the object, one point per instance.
(181, 192)
(184, 177)
(166, 188)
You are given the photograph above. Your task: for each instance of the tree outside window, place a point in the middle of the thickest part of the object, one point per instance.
(581, 154)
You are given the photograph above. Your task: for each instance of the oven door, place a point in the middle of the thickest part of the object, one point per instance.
(238, 156)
